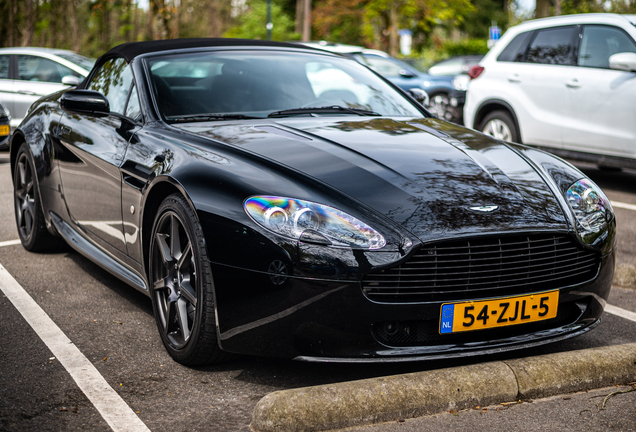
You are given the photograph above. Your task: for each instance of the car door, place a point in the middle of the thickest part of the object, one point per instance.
(539, 84)
(93, 150)
(6, 83)
(600, 101)
(36, 77)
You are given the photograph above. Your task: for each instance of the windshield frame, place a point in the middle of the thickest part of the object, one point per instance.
(146, 59)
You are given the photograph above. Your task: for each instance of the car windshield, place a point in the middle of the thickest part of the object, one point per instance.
(80, 60)
(244, 84)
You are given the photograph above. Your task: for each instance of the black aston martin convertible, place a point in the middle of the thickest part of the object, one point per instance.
(283, 201)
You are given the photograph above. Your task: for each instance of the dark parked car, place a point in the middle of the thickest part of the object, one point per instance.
(267, 211)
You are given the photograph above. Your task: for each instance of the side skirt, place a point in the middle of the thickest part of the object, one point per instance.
(98, 256)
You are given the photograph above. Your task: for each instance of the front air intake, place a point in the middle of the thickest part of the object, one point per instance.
(484, 267)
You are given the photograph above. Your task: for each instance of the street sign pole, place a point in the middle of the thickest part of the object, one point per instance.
(269, 25)
(494, 33)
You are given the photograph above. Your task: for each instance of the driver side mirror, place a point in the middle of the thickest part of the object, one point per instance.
(406, 74)
(623, 61)
(85, 102)
(419, 95)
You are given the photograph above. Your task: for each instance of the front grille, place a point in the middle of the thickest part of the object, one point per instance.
(426, 333)
(484, 267)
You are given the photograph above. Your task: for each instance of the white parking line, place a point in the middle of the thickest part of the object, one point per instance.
(623, 205)
(620, 312)
(10, 243)
(119, 416)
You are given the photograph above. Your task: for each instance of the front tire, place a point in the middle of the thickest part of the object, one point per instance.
(501, 126)
(29, 216)
(181, 285)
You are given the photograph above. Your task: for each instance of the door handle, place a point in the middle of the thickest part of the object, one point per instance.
(573, 83)
(514, 78)
(27, 92)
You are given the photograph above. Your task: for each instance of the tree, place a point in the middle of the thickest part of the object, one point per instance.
(250, 24)
(343, 21)
(376, 22)
(478, 21)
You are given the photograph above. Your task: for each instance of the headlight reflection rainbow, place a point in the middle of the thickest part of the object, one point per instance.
(292, 217)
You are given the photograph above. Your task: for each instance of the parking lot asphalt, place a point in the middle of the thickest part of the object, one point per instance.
(112, 326)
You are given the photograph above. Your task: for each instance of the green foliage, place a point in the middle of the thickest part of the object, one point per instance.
(479, 20)
(465, 47)
(580, 6)
(374, 23)
(592, 6)
(251, 23)
(94, 26)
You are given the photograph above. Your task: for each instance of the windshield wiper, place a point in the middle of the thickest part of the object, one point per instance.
(333, 109)
(208, 117)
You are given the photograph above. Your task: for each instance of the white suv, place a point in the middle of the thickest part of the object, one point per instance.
(567, 84)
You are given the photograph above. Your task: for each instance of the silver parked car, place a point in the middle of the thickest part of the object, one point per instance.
(27, 74)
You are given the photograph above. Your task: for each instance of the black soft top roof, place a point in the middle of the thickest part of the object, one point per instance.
(131, 50)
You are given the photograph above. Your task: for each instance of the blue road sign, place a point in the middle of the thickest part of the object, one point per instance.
(495, 33)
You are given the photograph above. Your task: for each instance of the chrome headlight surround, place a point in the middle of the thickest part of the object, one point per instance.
(591, 208)
(312, 222)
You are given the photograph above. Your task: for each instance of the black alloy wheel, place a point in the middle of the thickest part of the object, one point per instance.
(28, 211)
(181, 285)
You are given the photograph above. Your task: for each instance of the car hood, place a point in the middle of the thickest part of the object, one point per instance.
(433, 178)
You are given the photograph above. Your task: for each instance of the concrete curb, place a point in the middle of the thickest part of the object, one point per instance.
(625, 276)
(411, 395)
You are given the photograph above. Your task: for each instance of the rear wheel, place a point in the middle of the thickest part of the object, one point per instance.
(181, 285)
(28, 209)
(499, 125)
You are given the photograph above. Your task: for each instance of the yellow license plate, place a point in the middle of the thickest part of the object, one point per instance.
(4, 130)
(484, 314)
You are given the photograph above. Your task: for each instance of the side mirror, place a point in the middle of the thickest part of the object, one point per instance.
(419, 95)
(71, 80)
(406, 74)
(85, 102)
(623, 61)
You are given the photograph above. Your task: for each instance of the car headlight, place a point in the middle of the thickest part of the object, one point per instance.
(311, 222)
(591, 208)
(460, 82)
(3, 111)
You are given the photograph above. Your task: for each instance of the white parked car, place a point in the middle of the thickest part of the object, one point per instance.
(27, 74)
(567, 84)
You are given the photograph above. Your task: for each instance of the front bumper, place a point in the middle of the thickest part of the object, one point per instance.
(326, 320)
